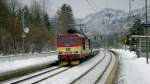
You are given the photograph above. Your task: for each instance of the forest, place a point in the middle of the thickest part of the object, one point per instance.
(15, 17)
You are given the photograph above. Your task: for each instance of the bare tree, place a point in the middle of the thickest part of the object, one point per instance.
(13, 6)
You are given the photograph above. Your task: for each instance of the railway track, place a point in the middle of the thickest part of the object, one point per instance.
(51, 72)
(100, 76)
(104, 69)
(50, 76)
(39, 76)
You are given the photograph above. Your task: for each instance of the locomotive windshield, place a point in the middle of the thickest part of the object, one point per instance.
(67, 40)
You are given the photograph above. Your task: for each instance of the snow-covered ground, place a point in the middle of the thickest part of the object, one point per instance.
(12, 66)
(68, 76)
(25, 56)
(133, 70)
(71, 74)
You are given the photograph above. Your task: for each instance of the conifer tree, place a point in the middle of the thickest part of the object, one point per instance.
(65, 18)
(136, 29)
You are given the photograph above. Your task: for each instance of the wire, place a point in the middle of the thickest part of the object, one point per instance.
(91, 6)
(94, 5)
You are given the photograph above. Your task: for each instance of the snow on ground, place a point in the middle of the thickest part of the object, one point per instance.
(73, 73)
(108, 71)
(63, 78)
(15, 57)
(11, 66)
(133, 70)
(92, 76)
(31, 81)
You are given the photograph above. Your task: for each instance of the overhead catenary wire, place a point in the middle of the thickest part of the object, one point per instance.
(93, 9)
(95, 5)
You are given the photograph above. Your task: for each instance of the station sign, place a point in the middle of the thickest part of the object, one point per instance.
(26, 30)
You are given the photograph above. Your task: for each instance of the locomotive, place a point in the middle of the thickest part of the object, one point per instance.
(73, 48)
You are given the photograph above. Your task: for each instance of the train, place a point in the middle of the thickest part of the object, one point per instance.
(73, 48)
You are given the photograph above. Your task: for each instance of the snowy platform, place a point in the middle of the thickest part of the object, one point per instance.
(133, 70)
(9, 68)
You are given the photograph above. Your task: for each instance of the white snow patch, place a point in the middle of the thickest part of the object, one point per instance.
(133, 70)
(10, 66)
(53, 51)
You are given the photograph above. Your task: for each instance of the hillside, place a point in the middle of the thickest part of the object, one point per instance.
(109, 20)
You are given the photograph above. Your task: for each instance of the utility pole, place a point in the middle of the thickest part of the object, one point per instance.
(23, 26)
(130, 8)
(146, 21)
(23, 33)
(121, 39)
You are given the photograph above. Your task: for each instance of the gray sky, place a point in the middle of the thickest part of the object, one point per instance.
(81, 8)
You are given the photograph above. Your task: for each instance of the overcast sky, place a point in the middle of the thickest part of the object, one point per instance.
(82, 8)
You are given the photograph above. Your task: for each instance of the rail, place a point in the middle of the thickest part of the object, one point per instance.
(88, 70)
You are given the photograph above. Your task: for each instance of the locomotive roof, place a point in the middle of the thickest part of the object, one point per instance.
(75, 34)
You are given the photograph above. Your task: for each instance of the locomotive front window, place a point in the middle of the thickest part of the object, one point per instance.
(67, 40)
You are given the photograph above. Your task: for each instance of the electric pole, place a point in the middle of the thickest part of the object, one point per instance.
(146, 31)
(130, 8)
(23, 26)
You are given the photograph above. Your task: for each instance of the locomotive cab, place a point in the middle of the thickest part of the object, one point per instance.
(68, 47)
(72, 48)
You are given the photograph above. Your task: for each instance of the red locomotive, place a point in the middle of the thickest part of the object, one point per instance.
(72, 48)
